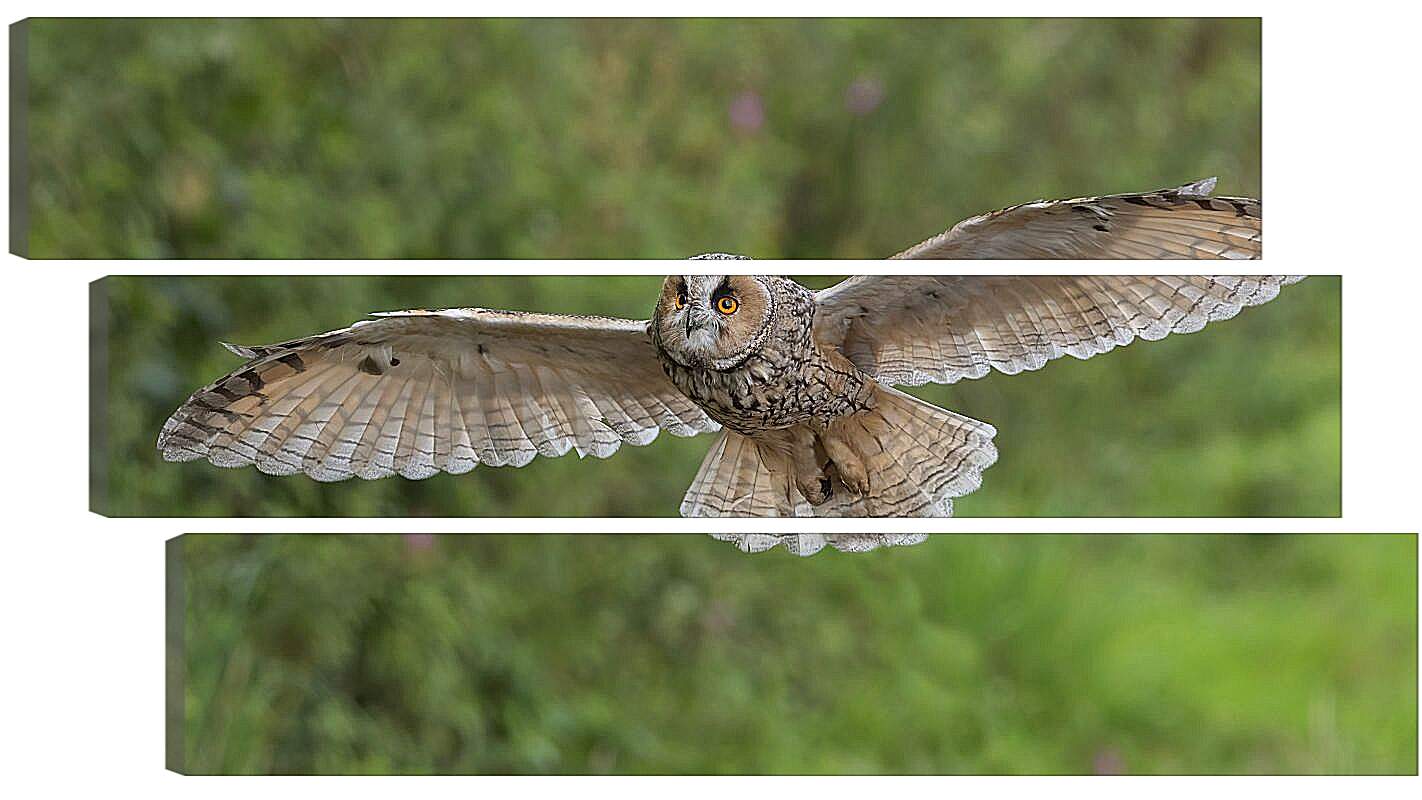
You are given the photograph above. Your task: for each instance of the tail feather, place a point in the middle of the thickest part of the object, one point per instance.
(918, 457)
(740, 477)
(807, 544)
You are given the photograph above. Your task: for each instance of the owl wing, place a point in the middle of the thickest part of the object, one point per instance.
(418, 392)
(807, 544)
(1184, 222)
(916, 329)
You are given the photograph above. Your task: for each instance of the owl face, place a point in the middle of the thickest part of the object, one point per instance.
(712, 321)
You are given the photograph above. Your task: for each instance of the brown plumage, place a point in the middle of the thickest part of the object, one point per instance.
(800, 382)
(1184, 222)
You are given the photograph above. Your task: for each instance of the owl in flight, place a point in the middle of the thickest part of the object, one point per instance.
(799, 384)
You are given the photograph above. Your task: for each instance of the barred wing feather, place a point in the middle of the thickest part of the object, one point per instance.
(1180, 223)
(418, 392)
(915, 329)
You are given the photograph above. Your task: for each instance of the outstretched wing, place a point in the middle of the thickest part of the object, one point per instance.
(807, 544)
(418, 392)
(1184, 222)
(913, 329)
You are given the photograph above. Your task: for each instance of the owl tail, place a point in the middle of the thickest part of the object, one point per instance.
(807, 544)
(913, 456)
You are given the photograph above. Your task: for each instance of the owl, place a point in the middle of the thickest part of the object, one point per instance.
(800, 386)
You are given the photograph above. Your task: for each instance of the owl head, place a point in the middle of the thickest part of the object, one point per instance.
(713, 321)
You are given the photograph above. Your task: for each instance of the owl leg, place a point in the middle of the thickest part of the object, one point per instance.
(810, 477)
(852, 472)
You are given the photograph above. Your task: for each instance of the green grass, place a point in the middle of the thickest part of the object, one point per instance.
(1242, 419)
(647, 654)
(153, 138)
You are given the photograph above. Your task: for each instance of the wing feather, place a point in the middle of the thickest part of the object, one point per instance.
(915, 329)
(1180, 223)
(420, 392)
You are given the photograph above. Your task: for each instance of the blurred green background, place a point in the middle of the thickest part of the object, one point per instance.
(1241, 419)
(839, 138)
(657, 654)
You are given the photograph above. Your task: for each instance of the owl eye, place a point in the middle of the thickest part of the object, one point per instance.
(680, 301)
(727, 305)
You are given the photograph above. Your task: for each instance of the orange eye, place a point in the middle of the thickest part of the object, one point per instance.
(680, 301)
(727, 305)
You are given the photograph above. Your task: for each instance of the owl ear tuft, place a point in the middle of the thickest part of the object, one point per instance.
(719, 257)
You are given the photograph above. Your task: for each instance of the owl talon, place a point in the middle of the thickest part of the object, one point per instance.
(847, 464)
(816, 489)
(857, 484)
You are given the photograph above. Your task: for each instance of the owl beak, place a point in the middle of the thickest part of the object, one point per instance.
(695, 321)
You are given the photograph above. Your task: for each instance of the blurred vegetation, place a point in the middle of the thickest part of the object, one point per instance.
(670, 654)
(1242, 419)
(838, 138)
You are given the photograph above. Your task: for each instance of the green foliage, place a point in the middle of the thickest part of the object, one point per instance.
(841, 138)
(1242, 419)
(656, 654)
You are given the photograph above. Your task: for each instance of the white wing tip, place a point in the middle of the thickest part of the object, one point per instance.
(1203, 187)
(238, 350)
